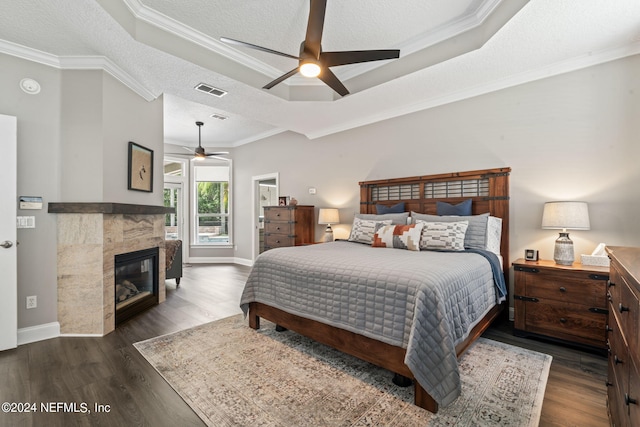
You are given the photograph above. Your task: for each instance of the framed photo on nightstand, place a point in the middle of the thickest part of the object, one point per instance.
(531, 254)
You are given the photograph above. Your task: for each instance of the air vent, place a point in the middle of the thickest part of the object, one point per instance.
(211, 90)
(218, 116)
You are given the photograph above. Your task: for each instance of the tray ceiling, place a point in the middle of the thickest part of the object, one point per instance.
(450, 50)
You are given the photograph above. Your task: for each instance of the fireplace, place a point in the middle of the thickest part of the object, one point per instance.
(136, 282)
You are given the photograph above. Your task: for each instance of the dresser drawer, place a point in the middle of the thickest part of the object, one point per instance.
(278, 241)
(279, 214)
(279, 228)
(579, 290)
(627, 312)
(568, 321)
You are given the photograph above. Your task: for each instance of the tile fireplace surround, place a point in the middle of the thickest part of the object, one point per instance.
(90, 235)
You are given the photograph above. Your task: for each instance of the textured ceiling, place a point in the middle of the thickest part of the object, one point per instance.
(450, 50)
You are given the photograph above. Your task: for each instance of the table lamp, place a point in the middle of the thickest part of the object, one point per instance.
(328, 216)
(565, 216)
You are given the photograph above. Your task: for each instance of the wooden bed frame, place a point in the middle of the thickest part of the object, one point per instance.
(489, 190)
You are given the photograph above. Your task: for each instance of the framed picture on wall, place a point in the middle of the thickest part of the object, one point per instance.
(140, 168)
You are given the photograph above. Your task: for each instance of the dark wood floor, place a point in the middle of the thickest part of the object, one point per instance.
(109, 371)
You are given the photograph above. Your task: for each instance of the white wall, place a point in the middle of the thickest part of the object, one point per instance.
(573, 136)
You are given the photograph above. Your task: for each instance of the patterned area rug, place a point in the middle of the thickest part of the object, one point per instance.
(231, 375)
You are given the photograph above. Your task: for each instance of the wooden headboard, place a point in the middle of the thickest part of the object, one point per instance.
(489, 190)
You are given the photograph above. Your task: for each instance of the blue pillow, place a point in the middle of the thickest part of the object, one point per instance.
(462, 208)
(382, 209)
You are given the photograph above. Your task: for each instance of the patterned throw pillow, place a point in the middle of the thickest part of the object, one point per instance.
(443, 235)
(363, 230)
(399, 237)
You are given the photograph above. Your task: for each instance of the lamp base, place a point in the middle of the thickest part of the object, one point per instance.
(328, 234)
(563, 251)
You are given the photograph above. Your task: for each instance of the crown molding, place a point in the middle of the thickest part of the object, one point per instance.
(77, 63)
(573, 64)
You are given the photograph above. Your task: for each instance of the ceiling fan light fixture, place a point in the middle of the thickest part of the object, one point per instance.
(310, 69)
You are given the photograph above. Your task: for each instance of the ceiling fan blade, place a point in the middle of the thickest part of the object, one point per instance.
(330, 59)
(280, 79)
(215, 156)
(332, 81)
(256, 47)
(314, 27)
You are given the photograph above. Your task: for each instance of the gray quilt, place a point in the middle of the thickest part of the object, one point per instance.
(426, 301)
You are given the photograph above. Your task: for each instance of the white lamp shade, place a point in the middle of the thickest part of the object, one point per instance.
(328, 216)
(566, 216)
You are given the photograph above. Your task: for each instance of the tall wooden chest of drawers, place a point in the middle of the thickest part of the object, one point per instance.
(623, 377)
(566, 303)
(288, 226)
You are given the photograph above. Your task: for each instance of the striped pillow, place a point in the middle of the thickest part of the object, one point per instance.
(443, 235)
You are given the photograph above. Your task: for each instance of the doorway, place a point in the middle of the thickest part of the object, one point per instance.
(265, 193)
(176, 224)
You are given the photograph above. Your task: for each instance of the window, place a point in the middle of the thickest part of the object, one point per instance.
(212, 204)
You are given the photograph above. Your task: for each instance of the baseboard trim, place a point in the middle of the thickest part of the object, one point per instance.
(38, 333)
(220, 260)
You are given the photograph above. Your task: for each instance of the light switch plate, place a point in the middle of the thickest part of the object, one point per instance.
(26, 222)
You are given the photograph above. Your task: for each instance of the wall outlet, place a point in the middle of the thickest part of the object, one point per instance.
(32, 302)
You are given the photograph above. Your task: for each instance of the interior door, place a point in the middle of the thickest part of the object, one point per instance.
(8, 252)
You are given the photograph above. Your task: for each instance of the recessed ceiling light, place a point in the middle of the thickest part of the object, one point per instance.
(30, 86)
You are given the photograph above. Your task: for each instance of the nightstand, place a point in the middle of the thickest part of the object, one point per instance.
(560, 302)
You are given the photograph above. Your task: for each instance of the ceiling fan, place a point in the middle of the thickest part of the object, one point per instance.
(200, 152)
(313, 62)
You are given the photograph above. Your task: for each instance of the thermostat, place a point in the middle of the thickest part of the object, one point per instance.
(30, 202)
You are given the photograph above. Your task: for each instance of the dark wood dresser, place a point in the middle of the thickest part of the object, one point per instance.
(288, 226)
(566, 303)
(623, 377)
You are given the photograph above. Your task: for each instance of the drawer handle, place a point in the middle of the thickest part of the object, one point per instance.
(277, 241)
(610, 283)
(608, 383)
(563, 320)
(526, 269)
(608, 328)
(277, 214)
(617, 360)
(563, 289)
(622, 308)
(628, 400)
(277, 228)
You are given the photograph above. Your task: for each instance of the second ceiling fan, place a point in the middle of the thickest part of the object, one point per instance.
(312, 61)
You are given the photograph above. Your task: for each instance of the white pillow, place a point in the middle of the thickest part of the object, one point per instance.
(362, 230)
(494, 234)
(443, 235)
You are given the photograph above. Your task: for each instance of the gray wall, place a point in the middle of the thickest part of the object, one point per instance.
(574, 136)
(72, 147)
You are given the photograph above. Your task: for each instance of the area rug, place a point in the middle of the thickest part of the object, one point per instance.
(231, 375)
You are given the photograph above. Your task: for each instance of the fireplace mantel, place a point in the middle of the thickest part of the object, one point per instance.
(90, 235)
(107, 208)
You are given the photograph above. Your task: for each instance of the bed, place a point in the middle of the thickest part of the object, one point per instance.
(413, 312)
